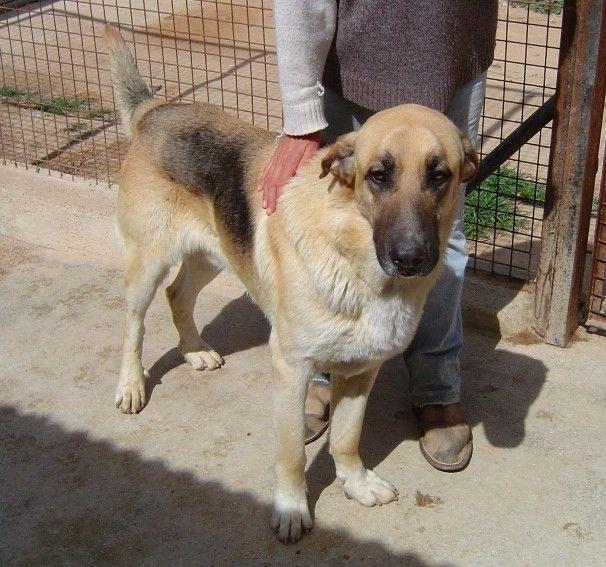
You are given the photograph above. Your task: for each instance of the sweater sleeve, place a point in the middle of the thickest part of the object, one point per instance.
(304, 32)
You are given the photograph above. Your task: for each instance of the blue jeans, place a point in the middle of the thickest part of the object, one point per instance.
(432, 358)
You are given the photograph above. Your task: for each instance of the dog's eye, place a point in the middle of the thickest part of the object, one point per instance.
(377, 175)
(439, 177)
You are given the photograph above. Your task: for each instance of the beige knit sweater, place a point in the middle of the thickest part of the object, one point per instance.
(378, 53)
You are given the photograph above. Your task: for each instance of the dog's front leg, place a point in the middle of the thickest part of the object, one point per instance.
(291, 513)
(348, 405)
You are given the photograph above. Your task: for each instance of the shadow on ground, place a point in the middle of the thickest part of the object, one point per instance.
(71, 500)
(498, 388)
(498, 385)
(240, 326)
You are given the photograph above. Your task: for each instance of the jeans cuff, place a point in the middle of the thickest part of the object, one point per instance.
(435, 399)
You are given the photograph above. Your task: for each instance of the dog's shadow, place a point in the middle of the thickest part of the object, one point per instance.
(498, 388)
(238, 327)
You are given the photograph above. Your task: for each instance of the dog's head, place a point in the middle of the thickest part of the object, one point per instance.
(404, 168)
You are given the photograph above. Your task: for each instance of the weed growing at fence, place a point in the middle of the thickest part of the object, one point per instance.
(98, 113)
(58, 105)
(77, 127)
(507, 182)
(541, 6)
(11, 92)
(492, 205)
(62, 106)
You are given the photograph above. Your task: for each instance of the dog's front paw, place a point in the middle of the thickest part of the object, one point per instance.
(291, 517)
(369, 489)
(203, 357)
(130, 397)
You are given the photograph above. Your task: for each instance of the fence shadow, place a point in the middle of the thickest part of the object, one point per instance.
(71, 500)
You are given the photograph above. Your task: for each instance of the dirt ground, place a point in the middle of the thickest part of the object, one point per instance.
(189, 480)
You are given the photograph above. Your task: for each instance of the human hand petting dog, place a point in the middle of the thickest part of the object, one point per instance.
(291, 153)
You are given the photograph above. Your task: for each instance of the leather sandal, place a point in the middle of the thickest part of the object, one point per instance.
(446, 441)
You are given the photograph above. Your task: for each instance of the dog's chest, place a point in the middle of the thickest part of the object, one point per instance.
(385, 327)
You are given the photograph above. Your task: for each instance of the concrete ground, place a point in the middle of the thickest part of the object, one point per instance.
(189, 480)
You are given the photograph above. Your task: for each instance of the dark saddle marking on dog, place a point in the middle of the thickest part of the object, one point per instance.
(206, 161)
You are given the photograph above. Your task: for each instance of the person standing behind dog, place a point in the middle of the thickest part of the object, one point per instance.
(339, 61)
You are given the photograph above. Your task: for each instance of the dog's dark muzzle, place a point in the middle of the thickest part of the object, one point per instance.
(412, 259)
(407, 243)
(408, 258)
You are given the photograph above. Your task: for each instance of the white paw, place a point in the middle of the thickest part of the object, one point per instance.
(130, 397)
(369, 489)
(204, 359)
(291, 517)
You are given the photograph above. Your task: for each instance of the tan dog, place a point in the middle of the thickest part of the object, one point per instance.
(341, 270)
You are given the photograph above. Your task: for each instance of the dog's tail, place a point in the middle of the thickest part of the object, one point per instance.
(129, 87)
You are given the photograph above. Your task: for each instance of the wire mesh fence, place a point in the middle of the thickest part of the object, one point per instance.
(58, 112)
(596, 305)
(57, 98)
(503, 218)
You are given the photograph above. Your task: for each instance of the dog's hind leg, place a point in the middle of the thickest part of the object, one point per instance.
(195, 273)
(143, 274)
(348, 405)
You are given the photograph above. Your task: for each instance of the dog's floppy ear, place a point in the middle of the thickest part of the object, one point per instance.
(471, 160)
(340, 159)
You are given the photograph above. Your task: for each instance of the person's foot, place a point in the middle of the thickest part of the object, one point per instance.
(317, 410)
(446, 442)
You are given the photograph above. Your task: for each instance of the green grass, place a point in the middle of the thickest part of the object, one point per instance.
(58, 105)
(11, 92)
(77, 127)
(485, 210)
(506, 182)
(98, 113)
(541, 6)
(62, 106)
(492, 205)
(77, 130)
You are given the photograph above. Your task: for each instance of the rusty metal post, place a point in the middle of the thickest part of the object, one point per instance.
(510, 145)
(573, 166)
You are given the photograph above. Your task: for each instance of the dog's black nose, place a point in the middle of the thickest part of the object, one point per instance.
(407, 257)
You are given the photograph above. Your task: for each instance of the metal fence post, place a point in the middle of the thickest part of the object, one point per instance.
(573, 166)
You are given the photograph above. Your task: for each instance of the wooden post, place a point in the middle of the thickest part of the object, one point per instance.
(573, 165)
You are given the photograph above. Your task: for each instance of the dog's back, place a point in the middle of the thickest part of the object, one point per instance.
(200, 148)
(187, 148)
